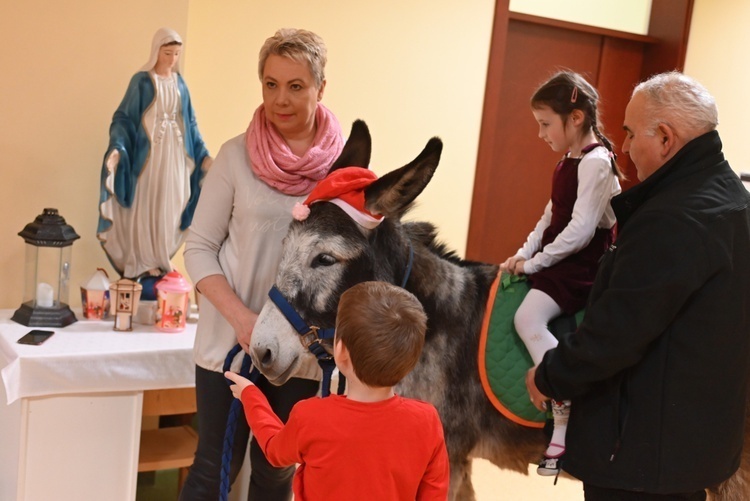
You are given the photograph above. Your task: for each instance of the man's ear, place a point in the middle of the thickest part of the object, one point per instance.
(667, 138)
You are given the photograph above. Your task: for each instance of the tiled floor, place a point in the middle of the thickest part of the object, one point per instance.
(490, 484)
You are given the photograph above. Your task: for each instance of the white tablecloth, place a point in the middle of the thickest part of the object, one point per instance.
(89, 356)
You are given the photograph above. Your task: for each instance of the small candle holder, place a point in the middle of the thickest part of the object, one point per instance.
(95, 296)
(124, 304)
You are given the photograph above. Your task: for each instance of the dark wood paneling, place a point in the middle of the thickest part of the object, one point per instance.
(670, 24)
(618, 74)
(516, 181)
(486, 154)
(514, 167)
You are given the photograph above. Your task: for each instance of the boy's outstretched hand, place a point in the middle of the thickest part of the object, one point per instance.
(240, 383)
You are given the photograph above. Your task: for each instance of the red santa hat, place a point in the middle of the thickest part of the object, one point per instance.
(344, 187)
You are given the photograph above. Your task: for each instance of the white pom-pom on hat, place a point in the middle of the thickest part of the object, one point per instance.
(300, 211)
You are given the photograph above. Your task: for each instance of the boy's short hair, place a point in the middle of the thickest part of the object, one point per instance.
(383, 327)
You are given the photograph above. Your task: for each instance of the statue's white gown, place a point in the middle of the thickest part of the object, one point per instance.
(146, 235)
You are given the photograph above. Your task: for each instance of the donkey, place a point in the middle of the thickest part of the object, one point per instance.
(328, 253)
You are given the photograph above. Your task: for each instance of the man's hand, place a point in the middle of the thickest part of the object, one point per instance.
(538, 399)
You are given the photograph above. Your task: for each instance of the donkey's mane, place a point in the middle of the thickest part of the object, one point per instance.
(426, 234)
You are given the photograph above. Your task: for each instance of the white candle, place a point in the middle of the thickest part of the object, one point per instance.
(45, 295)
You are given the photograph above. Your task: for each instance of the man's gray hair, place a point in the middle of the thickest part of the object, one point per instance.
(681, 102)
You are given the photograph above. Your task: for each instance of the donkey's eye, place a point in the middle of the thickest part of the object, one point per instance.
(323, 260)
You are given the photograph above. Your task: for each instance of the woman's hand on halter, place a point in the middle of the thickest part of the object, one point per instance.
(243, 322)
(242, 319)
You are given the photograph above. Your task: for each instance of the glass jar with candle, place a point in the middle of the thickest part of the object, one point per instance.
(172, 302)
(95, 296)
(49, 243)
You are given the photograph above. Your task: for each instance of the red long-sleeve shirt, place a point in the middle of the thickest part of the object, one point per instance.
(389, 450)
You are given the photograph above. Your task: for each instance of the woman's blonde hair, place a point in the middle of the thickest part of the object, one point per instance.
(300, 45)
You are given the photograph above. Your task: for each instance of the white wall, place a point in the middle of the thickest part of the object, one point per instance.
(411, 70)
(622, 15)
(64, 67)
(717, 57)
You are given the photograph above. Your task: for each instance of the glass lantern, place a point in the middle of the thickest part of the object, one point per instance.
(173, 302)
(49, 243)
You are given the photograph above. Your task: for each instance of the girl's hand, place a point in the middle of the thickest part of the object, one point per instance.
(513, 265)
(240, 383)
(509, 265)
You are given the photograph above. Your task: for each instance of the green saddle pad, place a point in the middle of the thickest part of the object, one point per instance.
(503, 358)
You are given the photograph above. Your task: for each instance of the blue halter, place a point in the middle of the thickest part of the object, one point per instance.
(311, 336)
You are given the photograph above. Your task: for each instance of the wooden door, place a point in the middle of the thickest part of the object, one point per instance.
(514, 167)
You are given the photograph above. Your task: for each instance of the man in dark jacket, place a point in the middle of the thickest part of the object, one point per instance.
(658, 370)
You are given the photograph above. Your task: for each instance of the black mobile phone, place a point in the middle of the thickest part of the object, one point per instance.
(35, 337)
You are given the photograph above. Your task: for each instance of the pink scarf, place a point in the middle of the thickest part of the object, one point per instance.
(273, 161)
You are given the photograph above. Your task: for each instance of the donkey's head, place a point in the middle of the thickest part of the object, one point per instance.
(328, 252)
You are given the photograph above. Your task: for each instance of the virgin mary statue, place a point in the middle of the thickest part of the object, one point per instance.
(153, 167)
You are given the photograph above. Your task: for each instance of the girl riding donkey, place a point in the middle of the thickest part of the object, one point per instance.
(561, 254)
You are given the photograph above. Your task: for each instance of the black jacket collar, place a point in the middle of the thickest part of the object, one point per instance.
(702, 152)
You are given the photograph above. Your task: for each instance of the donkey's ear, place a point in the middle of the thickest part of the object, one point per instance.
(392, 194)
(356, 152)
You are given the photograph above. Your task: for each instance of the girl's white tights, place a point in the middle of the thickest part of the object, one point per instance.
(531, 320)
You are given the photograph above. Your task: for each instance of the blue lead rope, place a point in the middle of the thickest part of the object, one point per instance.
(409, 265)
(235, 411)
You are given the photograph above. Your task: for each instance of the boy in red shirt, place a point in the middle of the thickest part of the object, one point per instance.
(370, 444)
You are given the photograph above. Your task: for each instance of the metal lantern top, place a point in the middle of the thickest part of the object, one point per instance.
(49, 230)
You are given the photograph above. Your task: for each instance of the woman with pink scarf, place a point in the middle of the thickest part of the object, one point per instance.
(234, 247)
